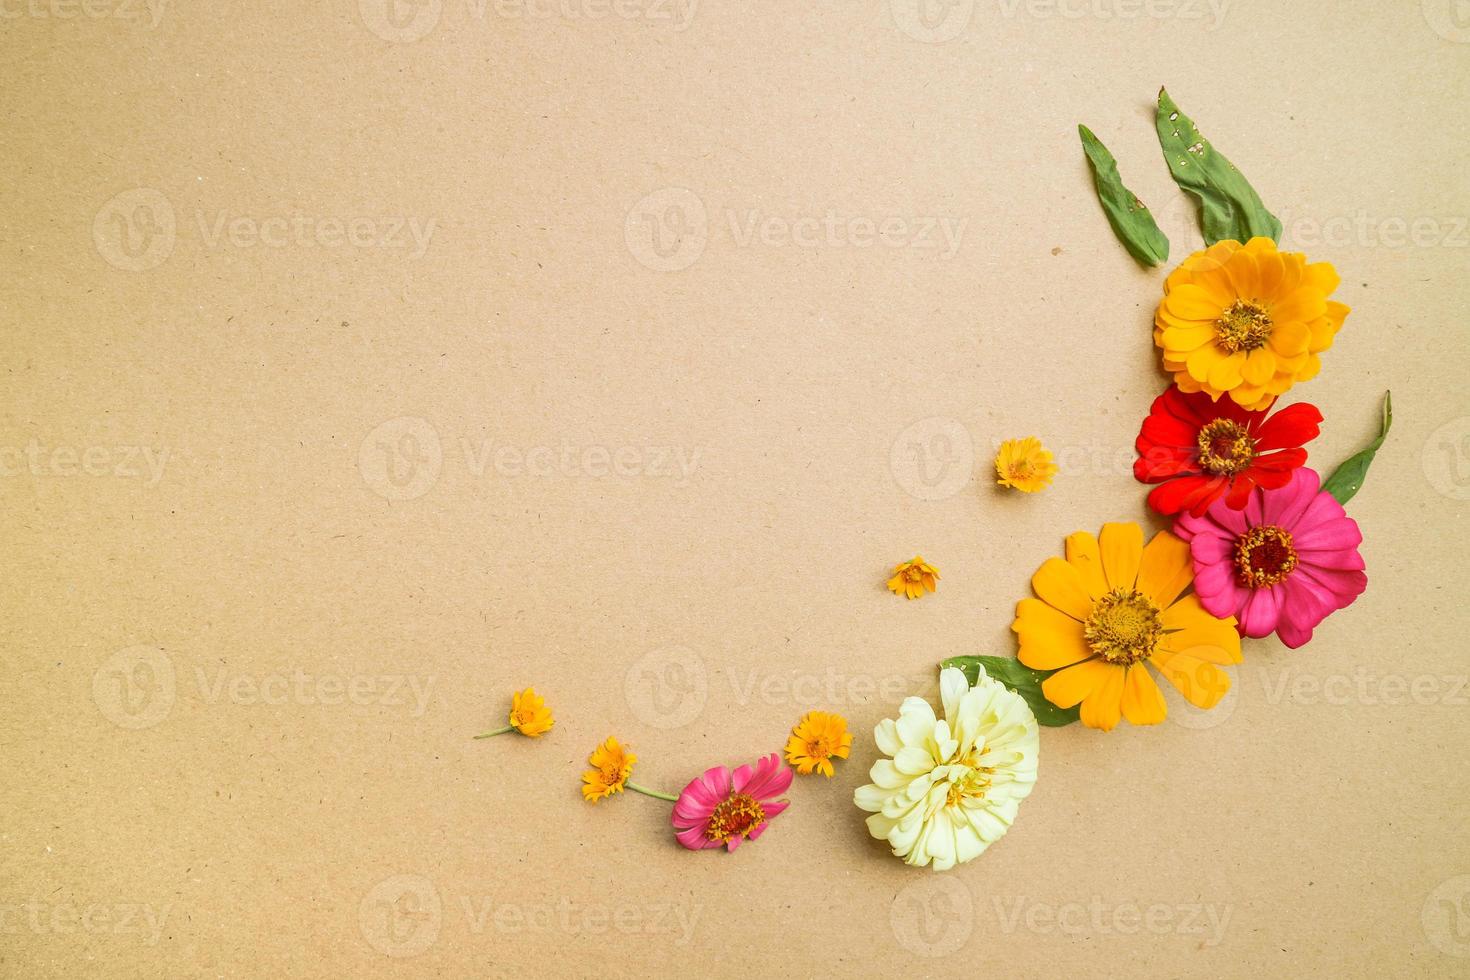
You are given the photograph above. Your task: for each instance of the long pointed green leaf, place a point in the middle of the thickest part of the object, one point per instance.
(1021, 679)
(1347, 479)
(1228, 206)
(1131, 222)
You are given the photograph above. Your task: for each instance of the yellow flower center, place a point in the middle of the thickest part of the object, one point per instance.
(739, 814)
(1225, 448)
(972, 785)
(1244, 326)
(1264, 556)
(818, 748)
(1124, 627)
(913, 573)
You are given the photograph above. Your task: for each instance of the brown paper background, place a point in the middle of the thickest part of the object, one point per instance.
(348, 830)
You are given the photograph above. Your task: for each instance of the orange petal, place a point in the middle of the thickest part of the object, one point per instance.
(1071, 686)
(1104, 707)
(1049, 639)
(1122, 549)
(1202, 684)
(1143, 702)
(1060, 585)
(1083, 555)
(1165, 570)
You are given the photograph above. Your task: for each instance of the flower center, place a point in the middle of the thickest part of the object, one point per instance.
(1225, 448)
(1124, 627)
(972, 785)
(818, 748)
(913, 574)
(1245, 326)
(737, 815)
(1264, 556)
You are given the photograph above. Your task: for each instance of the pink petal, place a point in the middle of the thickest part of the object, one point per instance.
(1322, 509)
(1342, 586)
(773, 779)
(741, 779)
(1283, 507)
(1212, 579)
(1348, 559)
(1261, 613)
(733, 843)
(774, 808)
(1330, 535)
(693, 838)
(1292, 635)
(717, 781)
(759, 829)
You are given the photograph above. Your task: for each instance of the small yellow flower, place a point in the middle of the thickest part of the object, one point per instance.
(529, 714)
(913, 577)
(611, 764)
(816, 740)
(1024, 465)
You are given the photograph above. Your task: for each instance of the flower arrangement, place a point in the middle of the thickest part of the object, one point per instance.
(1258, 544)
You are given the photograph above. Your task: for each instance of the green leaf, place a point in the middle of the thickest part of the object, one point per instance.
(1347, 479)
(1228, 205)
(1131, 222)
(1021, 679)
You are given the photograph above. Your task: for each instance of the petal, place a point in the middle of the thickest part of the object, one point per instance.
(1071, 686)
(1202, 684)
(1083, 554)
(1165, 569)
(1060, 585)
(1143, 702)
(1122, 549)
(1103, 708)
(1294, 425)
(1048, 639)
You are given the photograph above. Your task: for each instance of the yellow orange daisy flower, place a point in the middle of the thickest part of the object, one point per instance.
(1024, 465)
(912, 578)
(1112, 607)
(818, 738)
(611, 764)
(1247, 321)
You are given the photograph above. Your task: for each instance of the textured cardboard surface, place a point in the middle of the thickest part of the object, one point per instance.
(363, 364)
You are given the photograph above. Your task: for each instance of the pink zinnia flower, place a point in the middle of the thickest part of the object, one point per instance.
(726, 808)
(1282, 564)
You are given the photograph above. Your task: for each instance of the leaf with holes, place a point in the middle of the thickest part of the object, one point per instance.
(1228, 206)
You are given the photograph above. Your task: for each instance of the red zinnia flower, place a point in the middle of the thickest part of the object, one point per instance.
(1200, 450)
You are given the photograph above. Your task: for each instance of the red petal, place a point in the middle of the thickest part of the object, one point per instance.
(1161, 463)
(1195, 408)
(1281, 461)
(1167, 430)
(1199, 501)
(1240, 491)
(1172, 497)
(1294, 425)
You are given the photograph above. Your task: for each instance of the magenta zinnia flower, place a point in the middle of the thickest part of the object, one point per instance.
(1281, 565)
(726, 808)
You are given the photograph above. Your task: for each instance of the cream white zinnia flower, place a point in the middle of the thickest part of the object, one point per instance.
(953, 786)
